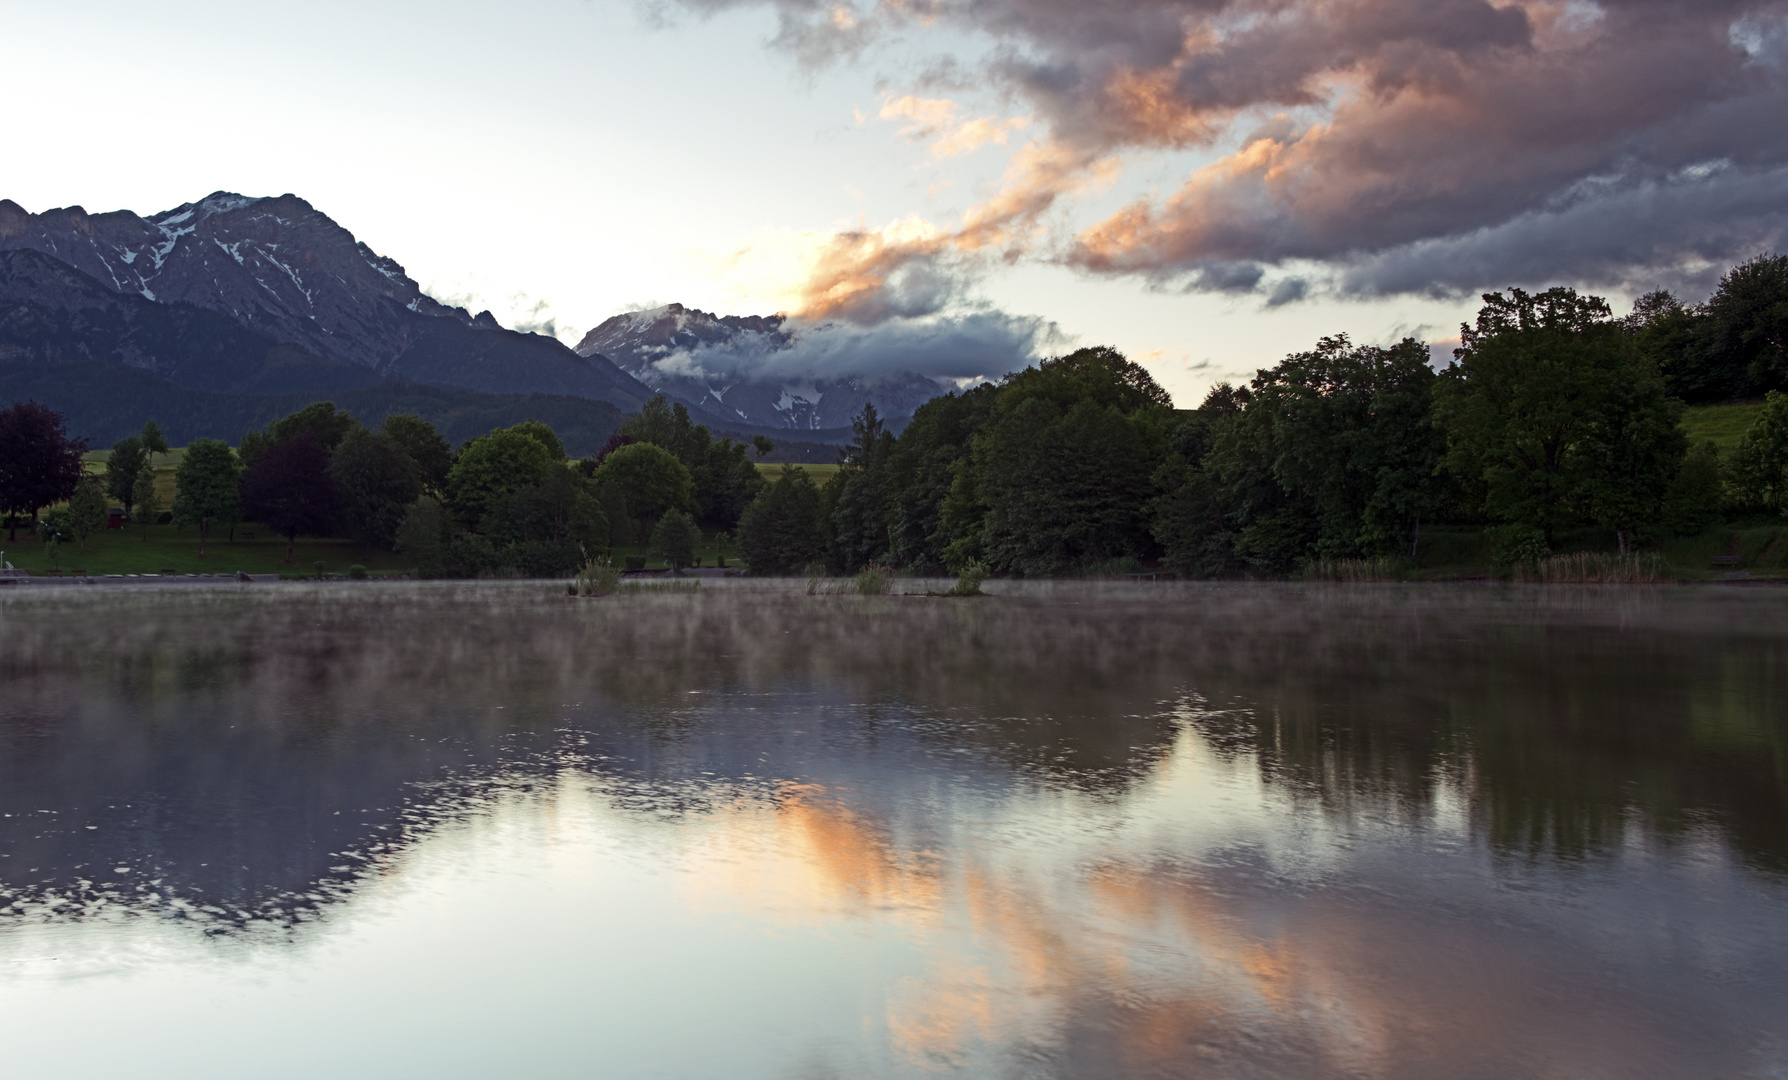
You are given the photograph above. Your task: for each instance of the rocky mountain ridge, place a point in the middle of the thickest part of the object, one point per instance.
(279, 267)
(726, 365)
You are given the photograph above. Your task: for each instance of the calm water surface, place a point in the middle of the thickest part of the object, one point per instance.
(1066, 831)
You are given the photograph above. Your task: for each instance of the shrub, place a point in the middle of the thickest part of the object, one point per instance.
(357, 572)
(596, 578)
(874, 580)
(968, 582)
(469, 555)
(636, 562)
(675, 539)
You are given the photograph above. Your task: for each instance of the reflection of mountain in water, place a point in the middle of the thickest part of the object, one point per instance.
(252, 752)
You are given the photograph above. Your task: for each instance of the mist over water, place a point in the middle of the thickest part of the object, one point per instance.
(1069, 830)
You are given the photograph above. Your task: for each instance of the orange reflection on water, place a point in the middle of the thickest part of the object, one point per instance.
(804, 857)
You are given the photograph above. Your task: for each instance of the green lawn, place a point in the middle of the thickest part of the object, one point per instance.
(167, 548)
(1721, 425)
(820, 473)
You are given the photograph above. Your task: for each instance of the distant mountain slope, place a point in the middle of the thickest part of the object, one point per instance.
(731, 366)
(51, 313)
(284, 271)
(104, 403)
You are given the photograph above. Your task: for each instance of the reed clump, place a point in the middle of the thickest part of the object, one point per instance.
(1595, 568)
(969, 579)
(675, 585)
(598, 577)
(1383, 568)
(874, 580)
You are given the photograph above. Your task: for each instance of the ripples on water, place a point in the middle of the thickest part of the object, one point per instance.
(1066, 831)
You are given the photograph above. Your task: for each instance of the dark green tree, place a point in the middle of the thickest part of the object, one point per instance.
(1696, 495)
(322, 419)
(544, 436)
(426, 447)
(1533, 411)
(780, 531)
(650, 479)
(492, 468)
(207, 488)
(375, 483)
(1347, 436)
(1191, 519)
(152, 440)
(857, 496)
(1760, 464)
(127, 459)
(424, 535)
(676, 538)
(1064, 466)
(86, 510)
(561, 508)
(147, 498)
(923, 466)
(1746, 332)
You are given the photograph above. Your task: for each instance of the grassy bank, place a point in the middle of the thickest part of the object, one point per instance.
(1722, 425)
(170, 549)
(254, 551)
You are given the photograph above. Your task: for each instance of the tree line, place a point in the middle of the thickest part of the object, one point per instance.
(1553, 416)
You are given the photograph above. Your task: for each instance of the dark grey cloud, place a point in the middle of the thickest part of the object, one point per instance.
(1391, 146)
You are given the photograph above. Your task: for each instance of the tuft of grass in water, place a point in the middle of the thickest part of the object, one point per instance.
(1377, 569)
(1595, 568)
(875, 580)
(968, 582)
(596, 578)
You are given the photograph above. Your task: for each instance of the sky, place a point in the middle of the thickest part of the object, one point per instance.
(1207, 185)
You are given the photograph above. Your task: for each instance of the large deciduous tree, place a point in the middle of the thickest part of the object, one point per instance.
(1064, 465)
(1760, 464)
(1553, 414)
(87, 510)
(492, 468)
(375, 482)
(126, 460)
(207, 488)
(427, 448)
(650, 480)
(288, 489)
(39, 463)
(780, 531)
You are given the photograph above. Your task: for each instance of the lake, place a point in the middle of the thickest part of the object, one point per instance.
(1066, 830)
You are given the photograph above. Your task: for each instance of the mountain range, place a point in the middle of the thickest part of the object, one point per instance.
(718, 364)
(234, 295)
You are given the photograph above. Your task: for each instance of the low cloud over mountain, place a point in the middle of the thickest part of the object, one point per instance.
(781, 372)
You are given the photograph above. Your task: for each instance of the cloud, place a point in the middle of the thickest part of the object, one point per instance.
(1373, 146)
(940, 120)
(914, 267)
(956, 349)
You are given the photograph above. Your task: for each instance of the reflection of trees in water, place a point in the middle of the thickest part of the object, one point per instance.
(232, 745)
(1560, 734)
